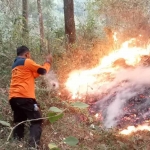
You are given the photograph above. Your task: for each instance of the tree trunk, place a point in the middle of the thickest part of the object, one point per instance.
(1, 38)
(42, 45)
(69, 21)
(25, 18)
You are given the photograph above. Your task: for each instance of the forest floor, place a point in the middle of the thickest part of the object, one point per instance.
(75, 122)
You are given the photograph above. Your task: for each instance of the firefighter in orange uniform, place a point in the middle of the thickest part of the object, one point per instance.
(22, 94)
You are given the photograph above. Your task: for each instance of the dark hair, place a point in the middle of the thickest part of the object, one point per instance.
(21, 50)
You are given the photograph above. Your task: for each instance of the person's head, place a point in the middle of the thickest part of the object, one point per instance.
(23, 51)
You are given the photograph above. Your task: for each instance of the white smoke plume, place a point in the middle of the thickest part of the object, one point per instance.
(51, 81)
(127, 84)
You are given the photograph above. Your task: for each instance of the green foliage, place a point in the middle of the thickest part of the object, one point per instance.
(55, 114)
(80, 105)
(4, 123)
(91, 29)
(53, 117)
(55, 109)
(53, 146)
(71, 141)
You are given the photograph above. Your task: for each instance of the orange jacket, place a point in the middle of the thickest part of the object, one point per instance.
(24, 71)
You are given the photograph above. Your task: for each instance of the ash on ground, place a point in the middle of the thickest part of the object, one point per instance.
(127, 102)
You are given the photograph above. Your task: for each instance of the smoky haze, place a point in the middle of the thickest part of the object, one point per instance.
(51, 81)
(124, 91)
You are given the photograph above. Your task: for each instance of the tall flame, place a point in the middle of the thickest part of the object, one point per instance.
(83, 82)
(87, 82)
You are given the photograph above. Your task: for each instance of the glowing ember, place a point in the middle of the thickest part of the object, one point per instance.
(132, 129)
(97, 115)
(115, 37)
(87, 82)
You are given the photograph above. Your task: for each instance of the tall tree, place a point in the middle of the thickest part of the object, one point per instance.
(41, 25)
(69, 20)
(25, 18)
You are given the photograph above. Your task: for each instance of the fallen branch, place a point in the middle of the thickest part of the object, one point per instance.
(30, 121)
(24, 122)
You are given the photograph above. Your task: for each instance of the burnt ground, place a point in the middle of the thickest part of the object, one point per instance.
(136, 110)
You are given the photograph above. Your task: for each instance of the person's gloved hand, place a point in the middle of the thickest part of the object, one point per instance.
(49, 58)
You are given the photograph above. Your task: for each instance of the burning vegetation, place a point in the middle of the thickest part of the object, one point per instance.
(117, 89)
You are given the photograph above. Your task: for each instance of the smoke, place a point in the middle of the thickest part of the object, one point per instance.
(51, 81)
(123, 95)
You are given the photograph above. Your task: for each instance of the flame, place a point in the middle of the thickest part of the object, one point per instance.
(84, 82)
(96, 115)
(131, 129)
(115, 37)
(130, 54)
